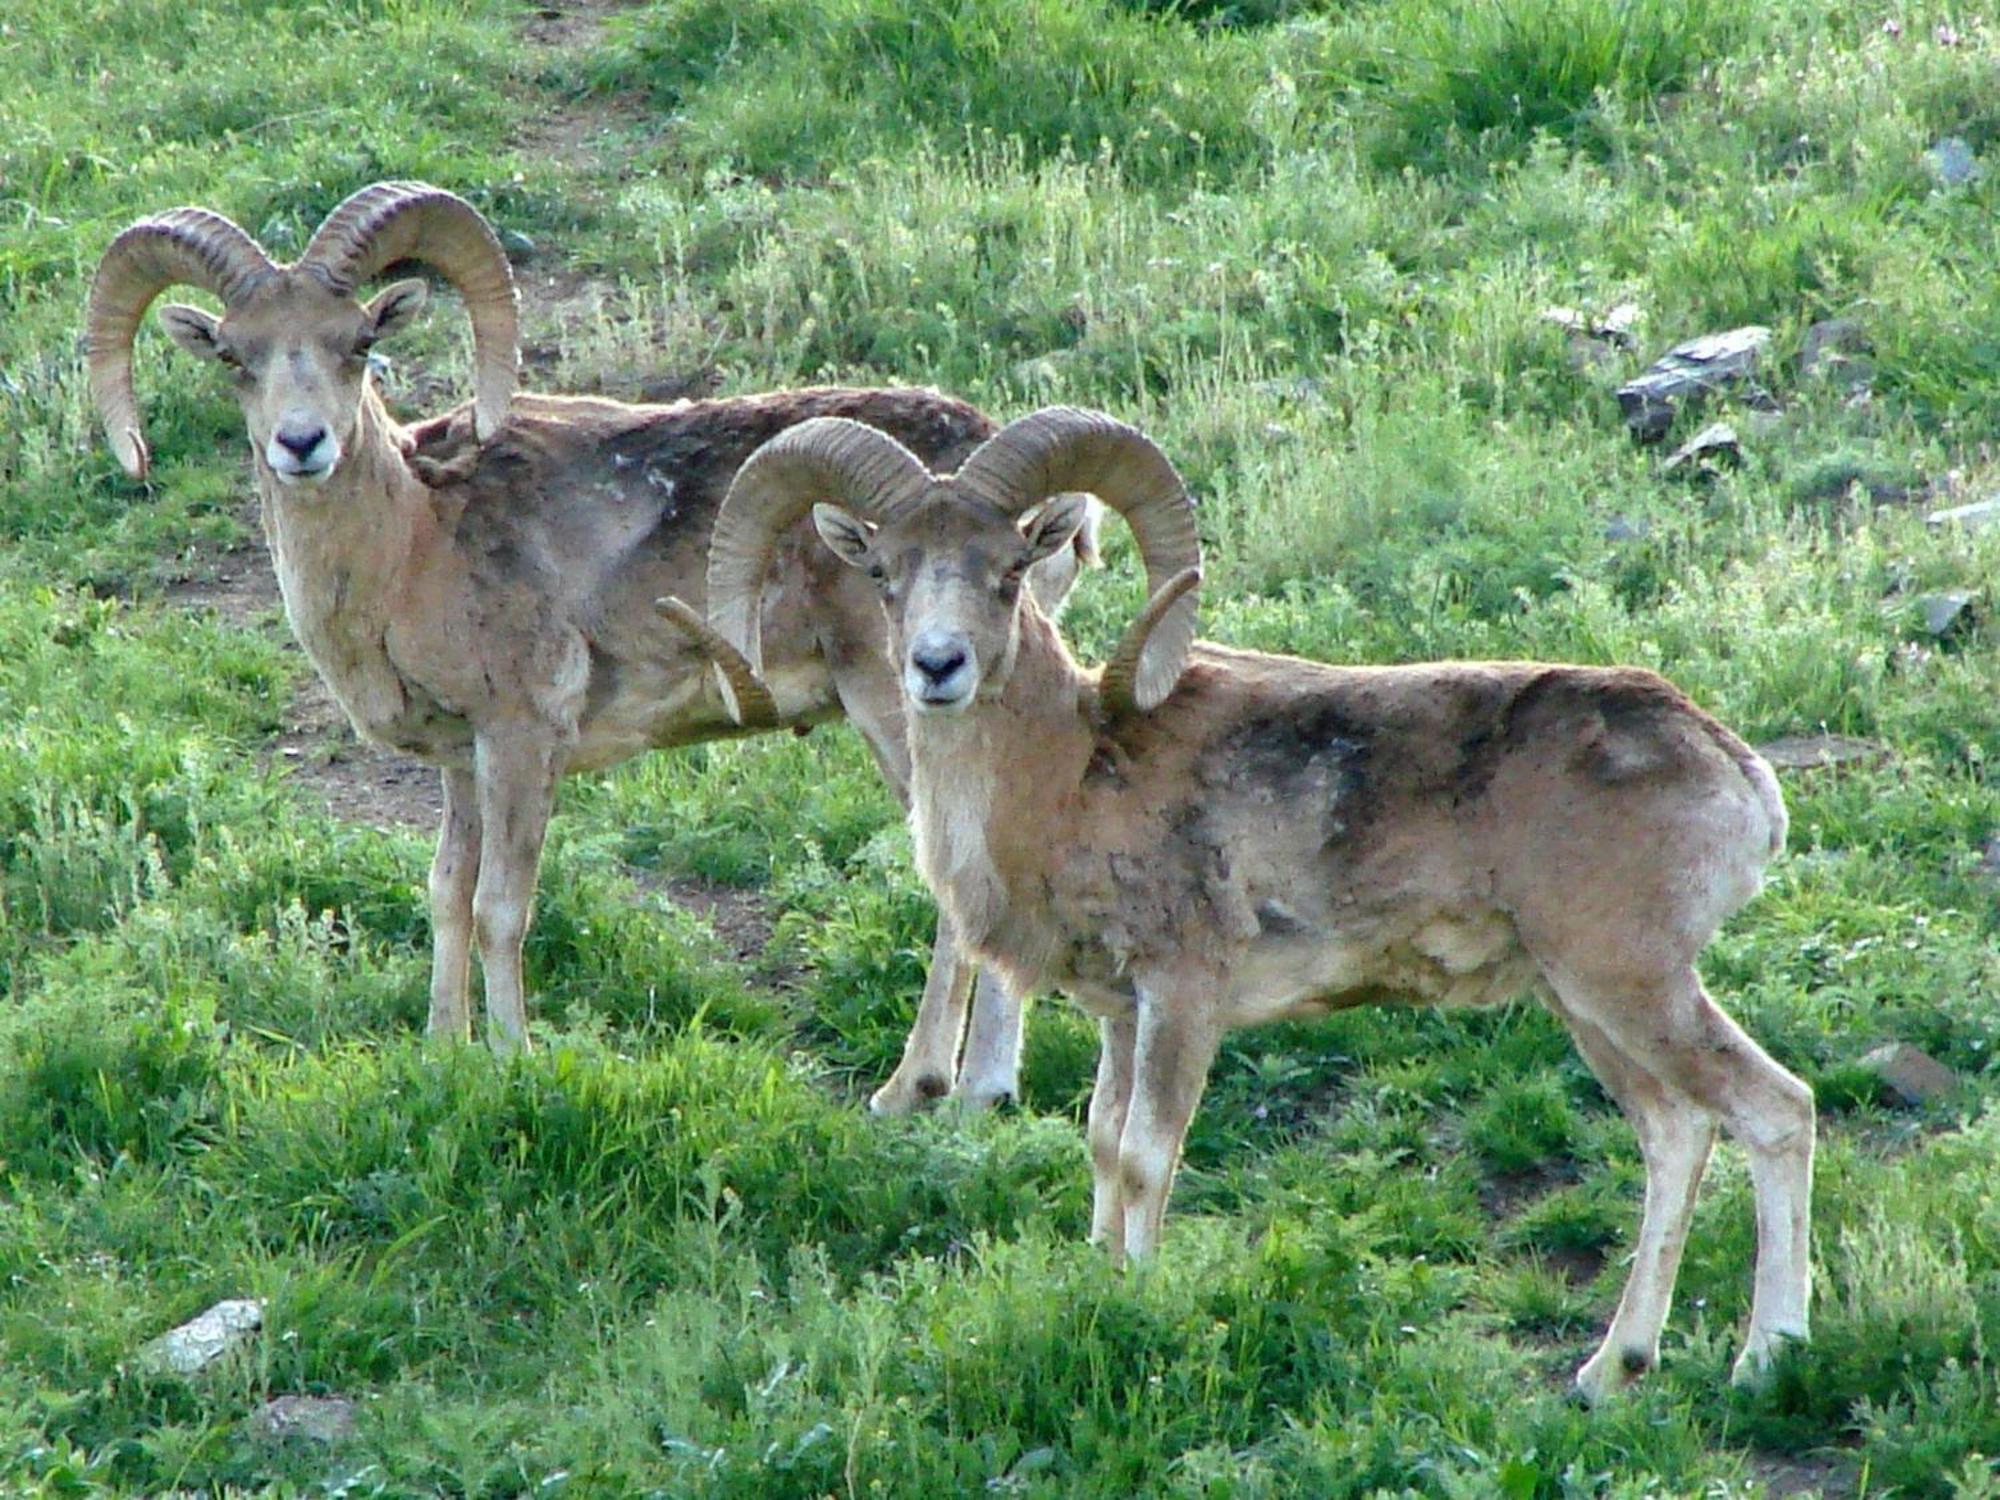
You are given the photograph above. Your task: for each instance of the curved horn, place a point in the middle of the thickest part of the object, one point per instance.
(867, 469)
(1063, 448)
(185, 246)
(744, 693)
(393, 221)
(1118, 689)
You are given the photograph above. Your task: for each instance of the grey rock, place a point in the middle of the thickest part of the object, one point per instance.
(1615, 326)
(1945, 611)
(1620, 324)
(1979, 513)
(1835, 350)
(1809, 752)
(1714, 446)
(1622, 528)
(1301, 388)
(202, 1340)
(1044, 370)
(519, 247)
(1910, 1073)
(1954, 161)
(1689, 372)
(313, 1419)
(1026, 1467)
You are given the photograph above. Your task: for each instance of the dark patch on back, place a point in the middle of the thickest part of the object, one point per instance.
(1490, 735)
(675, 461)
(1616, 724)
(1310, 746)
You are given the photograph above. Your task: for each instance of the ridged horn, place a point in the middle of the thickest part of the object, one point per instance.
(1118, 688)
(392, 221)
(823, 458)
(1064, 448)
(184, 246)
(744, 693)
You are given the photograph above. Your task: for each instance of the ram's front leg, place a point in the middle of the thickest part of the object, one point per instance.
(873, 703)
(924, 1074)
(989, 1069)
(517, 770)
(454, 874)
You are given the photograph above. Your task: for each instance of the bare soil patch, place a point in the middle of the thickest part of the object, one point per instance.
(1827, 1478)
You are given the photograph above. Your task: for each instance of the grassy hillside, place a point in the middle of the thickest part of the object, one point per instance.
(1308, 245)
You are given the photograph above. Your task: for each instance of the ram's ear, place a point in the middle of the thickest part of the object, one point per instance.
(191, 328)
(392, 309)
(850, 537)
(1053, 524)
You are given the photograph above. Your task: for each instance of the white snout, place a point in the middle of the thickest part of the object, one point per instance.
(940, 672)
(302, 450)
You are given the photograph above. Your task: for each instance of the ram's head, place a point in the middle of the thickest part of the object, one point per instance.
(296, 338)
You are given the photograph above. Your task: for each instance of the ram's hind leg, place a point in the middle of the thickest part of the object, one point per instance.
(1109, 1101)
(1174, 1046)
(1674, 1034)
(1675, 1138)
(517, 775)
(454, 872)
(929, 1052)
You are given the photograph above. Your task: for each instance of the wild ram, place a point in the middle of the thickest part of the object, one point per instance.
(477, 590)
(1199, 838)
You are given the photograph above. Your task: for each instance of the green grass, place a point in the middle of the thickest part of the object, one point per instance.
(1307, 244)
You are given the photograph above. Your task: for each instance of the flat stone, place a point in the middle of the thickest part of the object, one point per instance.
(202, 1340)
(1809, 752)
(1620, 323)
(1689, 372)
(1944, 612)
(313, 1419)
(1832, 350)
(1622, 528)
(1979, 513)
(1712, 447)
(1301, 388)
(1910, 1073)
(1614, 327)
(1954, 161)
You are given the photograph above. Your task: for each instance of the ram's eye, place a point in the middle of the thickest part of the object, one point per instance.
(228, 358)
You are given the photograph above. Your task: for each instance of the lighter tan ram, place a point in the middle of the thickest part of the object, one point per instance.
(477, 590)
(1198, 838)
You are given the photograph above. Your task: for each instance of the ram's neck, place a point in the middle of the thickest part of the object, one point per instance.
(340, 543)
(344, 551)
(991, 787)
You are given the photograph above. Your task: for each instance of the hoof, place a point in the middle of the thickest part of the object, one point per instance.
(1752, 1371)
(900, 1096)
(1608, 1372)
(977, 1101)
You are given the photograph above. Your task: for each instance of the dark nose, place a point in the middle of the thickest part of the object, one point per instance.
(299, 441)
(937, 660)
